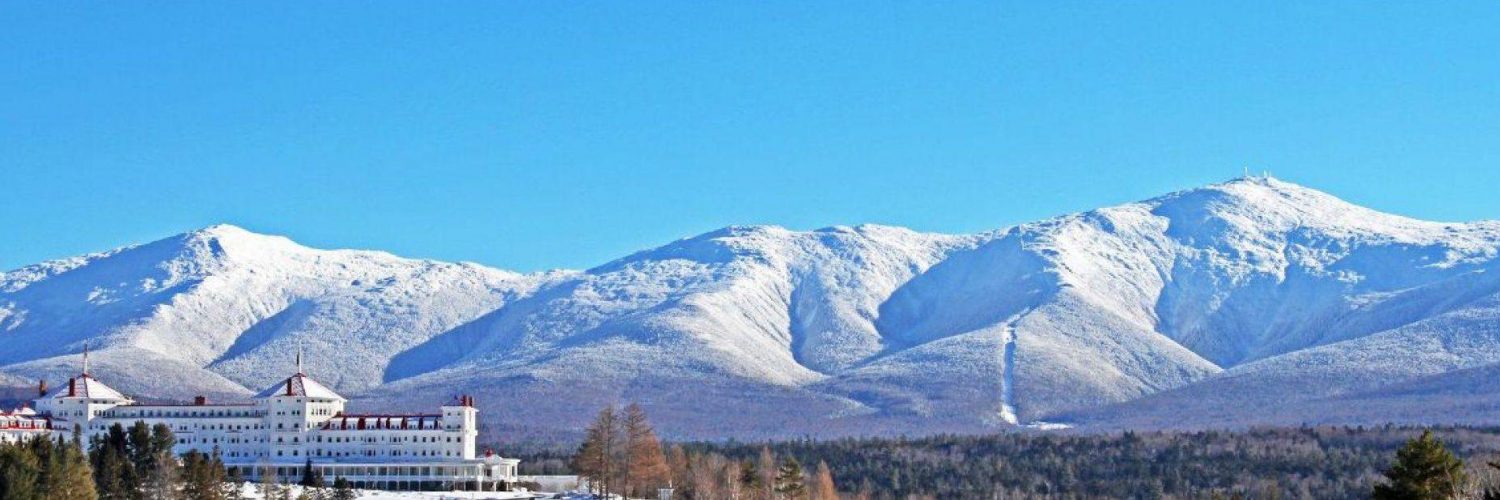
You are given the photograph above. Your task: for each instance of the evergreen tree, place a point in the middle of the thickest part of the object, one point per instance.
(342, 490)
(222, 483)
(1424, 469)
(200, 480)
(311, 478)
(114, 474)
(162, 477)
(19, 474)
(41, 450)
(750, 479)
(70, 477)
(790, 484)
(140, 449)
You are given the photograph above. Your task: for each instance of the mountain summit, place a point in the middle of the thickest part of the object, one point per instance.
(1211, 306)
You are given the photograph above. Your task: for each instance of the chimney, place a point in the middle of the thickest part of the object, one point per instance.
(41, 388)
(200, 400)
(72, 387)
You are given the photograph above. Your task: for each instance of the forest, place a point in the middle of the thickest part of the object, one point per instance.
(621, 454)
(1307, 462)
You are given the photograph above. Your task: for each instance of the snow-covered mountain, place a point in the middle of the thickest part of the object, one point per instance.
(1251, 301)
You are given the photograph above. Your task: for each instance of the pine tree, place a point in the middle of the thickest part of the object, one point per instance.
(19, 474)
(750, 479)
(1424, 469)
(311, 478)
(162, 477)
(342, 490)
(790, 484)
(823, 488)
(70, 478)
(109, 457)
(199, 481)
(645, 464)
(140, 449)
(41, 451)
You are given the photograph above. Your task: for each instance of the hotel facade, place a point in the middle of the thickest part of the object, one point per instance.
(283, 427)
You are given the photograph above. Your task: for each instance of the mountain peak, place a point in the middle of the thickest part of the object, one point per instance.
(222, 240)
(863, 328)
(1272, 204)
(230, 231)
(1266, 186)
(222, 229)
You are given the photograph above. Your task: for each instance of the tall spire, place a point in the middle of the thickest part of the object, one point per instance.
(85, 358)
(299, 358)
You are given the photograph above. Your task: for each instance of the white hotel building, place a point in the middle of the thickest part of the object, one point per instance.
(284, 426)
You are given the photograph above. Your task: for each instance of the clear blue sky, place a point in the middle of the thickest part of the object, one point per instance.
(532, 135)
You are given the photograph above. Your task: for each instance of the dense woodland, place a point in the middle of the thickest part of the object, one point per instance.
(621, 454)
(1266, 463)
(1311, 462)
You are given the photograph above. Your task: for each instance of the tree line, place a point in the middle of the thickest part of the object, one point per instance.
(1309, 462)
(137, 463)
(621, 455)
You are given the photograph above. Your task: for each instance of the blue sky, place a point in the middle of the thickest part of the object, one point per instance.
(532, 135)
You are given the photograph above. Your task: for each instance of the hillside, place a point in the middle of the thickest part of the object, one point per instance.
(1204, 307)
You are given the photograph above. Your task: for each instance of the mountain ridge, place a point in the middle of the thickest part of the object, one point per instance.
(1084, 317)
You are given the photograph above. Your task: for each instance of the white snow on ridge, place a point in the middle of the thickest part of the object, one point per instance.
(869, 328)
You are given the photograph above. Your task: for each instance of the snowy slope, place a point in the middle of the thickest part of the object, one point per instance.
(1203, 301)
(222, 310)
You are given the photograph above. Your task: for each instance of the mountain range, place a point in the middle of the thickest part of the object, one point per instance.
(1254, 301)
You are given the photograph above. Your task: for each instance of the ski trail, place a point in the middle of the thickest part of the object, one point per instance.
(1008, 376)
(1008, 412)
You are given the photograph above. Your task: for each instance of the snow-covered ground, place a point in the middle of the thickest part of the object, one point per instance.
(1205, 305)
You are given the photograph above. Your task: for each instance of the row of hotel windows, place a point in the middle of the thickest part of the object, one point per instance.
(314, 411)
(364, 470)
(186, 427)
(319, 439)
(232, 453)
(128, 412)
(244, 427)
